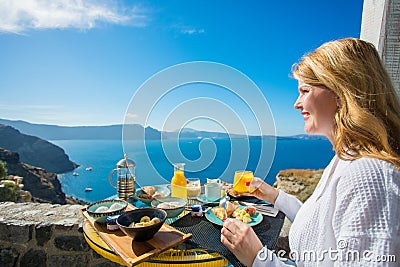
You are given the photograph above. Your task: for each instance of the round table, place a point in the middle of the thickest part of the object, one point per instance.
(181, 255)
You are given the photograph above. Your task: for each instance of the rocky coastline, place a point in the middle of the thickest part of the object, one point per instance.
(43, 186)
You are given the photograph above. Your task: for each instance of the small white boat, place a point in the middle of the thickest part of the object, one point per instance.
(88, 189)
(89, 168)
(75, 174)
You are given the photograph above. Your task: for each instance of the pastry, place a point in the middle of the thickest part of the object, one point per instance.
(149, 190)
(219, 212)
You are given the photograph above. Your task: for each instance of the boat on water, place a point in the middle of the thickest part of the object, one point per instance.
(75, 174)
(88, 189)
(89, 168)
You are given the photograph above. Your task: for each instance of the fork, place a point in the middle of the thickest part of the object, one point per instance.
(270, 211)
(222, 203)
(253, 204)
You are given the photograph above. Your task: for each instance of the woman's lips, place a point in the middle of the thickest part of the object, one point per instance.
(306, 115)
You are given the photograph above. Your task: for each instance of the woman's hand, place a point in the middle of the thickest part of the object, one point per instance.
(262, 190)
(241, 240)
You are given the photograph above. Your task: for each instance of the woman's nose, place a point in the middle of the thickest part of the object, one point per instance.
(298, 103)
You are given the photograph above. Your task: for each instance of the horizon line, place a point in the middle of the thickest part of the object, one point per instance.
(149, 126)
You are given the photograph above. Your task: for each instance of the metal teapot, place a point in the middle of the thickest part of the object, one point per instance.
(126, 178)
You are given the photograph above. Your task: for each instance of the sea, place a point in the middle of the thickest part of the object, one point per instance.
(216, 158)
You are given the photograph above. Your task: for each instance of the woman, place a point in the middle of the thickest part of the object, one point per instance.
(352, 218)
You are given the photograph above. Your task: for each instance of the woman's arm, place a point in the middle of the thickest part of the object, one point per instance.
(286, 203)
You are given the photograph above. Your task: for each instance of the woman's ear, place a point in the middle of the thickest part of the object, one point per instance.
(338, 102)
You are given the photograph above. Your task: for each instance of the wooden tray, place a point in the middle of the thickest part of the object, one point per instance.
(132, 252)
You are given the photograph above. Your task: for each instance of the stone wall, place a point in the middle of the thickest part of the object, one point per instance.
(380, 25)
(34, 234)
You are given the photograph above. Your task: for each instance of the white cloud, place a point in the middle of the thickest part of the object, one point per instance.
(191, 31)
(22, 15)
(181, 28)
(131, 116)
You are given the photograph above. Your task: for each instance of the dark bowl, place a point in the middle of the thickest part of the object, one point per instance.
(141, 233)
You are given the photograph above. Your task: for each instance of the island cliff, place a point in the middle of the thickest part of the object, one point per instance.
(43, 186)
(35, 151)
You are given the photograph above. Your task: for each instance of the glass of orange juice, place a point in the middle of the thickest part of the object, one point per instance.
(242, 180)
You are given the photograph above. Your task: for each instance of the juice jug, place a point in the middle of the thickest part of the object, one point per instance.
(178, 182)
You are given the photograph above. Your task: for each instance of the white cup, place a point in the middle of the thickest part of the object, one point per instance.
(211, 180)
(212, 191)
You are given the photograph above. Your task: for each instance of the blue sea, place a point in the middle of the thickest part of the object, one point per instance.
(216, 158)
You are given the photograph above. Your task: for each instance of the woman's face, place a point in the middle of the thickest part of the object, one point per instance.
(318, 106)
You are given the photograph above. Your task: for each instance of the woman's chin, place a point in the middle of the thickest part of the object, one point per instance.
(308, 130)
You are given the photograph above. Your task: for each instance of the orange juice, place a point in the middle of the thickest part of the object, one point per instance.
(178, 182)
(242, 180)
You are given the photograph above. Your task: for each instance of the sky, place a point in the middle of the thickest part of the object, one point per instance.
(73, 63)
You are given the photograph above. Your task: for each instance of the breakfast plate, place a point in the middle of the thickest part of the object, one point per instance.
(160, 189)
(256, 219)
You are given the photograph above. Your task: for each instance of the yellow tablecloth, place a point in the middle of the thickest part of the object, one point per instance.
(172, 257)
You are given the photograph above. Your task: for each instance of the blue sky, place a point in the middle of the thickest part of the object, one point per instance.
(80, 63)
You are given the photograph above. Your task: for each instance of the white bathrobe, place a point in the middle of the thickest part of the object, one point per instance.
(351, 219)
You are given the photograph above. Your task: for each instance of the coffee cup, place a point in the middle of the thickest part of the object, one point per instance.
(212, 191)
(213, 180)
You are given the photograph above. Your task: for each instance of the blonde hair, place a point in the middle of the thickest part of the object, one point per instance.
(368, 118)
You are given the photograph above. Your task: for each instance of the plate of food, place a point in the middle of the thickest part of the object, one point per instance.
(246, 214)
(147, 194)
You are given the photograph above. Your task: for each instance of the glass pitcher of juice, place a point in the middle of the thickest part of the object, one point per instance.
(178, 182)
(242, 180)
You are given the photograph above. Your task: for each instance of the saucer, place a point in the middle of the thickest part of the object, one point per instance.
(202, 198)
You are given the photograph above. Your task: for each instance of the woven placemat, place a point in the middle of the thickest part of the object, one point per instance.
(208, 235)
